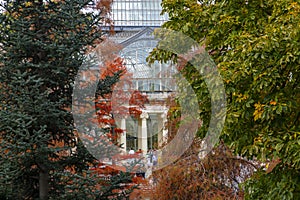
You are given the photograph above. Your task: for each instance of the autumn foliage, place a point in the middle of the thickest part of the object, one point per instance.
(217, 176)
(119, 100)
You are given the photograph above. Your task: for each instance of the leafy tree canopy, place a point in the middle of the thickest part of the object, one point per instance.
(256, 47)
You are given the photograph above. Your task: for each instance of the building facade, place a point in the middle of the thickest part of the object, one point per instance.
(134, 23)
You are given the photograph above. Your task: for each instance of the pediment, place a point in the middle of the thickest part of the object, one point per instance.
(144, 34)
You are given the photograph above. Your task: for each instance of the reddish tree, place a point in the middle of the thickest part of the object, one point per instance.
(113, 99)
(120, 100)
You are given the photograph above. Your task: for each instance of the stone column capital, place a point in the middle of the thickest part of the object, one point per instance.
(144, 115)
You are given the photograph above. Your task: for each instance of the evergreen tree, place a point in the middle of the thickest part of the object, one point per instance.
(42, 45)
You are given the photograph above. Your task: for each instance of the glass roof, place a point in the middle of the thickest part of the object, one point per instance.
(137, 19)
(158, 77)
(138, 13)
(135, 56)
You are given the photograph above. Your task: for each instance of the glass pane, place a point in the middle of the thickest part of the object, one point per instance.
(137, 12)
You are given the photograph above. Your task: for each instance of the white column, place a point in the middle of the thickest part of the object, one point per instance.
(164, 121)
(143, 136)
(123, 136)
(139, 135)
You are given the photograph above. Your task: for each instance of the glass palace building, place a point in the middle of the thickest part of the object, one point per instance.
(134, 23)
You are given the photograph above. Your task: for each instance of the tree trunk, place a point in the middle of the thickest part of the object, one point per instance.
(43, 184)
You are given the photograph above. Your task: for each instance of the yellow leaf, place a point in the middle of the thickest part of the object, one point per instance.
(28, 4)
(258, 111)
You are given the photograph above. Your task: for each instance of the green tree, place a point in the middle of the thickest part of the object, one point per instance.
(42, 45)
(256, 47)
